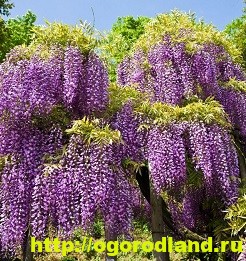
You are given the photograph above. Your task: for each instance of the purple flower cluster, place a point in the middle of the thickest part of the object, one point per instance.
(133, 139)
(235, 106)
(33, 87)
(213, 66)
(126, 74)
(74, 78)
(20, 186)
(85, 82)
(192, 214)
(166, 157)
(204, 70)
(141, 207)
(171, 70)
(35, 191)
(200, 151)
(168, 76)
(96, 84)
(88, 182)
(212, 152)
(27, 89)
(224, 164)
(123, 72)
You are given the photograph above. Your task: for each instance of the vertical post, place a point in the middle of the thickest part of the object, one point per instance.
(109, 236)
(241, 158)
(27, 254)
(157, 224)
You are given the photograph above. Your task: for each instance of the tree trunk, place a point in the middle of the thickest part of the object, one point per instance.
(27, 254)
(144, 185)
(242, 162)
(241, 157)
(109, 236)
(157, 224)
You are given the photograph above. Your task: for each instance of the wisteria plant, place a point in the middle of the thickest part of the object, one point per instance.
(74, 146)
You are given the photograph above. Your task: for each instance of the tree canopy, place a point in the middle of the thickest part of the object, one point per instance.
(5, 6)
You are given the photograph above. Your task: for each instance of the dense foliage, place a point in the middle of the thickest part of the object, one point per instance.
(236, 31)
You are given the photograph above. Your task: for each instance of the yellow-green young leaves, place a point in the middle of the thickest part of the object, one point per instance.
(92, 132)
(236, 85)
(236, 216)
(47, 38)
(118, 96)
(183, 28)
(208, 111)
(63, 35)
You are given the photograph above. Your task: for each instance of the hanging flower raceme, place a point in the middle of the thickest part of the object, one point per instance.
(218, 76)
(234, 104)
(16, 188)
(199, 148)
(192, 215)
(29, 89)
(74, 78)
(128, 123)
(213, 152)
(225, 165)
(164, 73)
(96, 88)
(205, 72)
(166, 157)
(85, 82)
